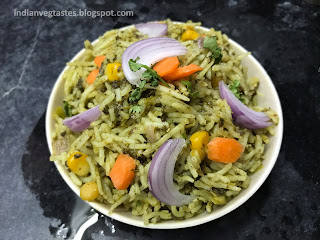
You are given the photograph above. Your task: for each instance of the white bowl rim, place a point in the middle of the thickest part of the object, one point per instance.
(176, 224)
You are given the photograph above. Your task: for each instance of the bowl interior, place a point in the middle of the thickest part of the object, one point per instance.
(269, 99)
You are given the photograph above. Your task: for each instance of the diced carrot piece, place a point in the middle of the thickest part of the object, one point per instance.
(166, 66)
(225, 150)
(92, 76)
(182, 72)
(122, 173)
(98, 60)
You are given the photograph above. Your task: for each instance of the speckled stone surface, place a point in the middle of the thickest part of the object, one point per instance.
(283, 35)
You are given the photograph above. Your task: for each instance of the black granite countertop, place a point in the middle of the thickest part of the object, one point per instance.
(283, 35)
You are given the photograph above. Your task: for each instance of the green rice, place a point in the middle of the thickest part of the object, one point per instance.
(169, 113)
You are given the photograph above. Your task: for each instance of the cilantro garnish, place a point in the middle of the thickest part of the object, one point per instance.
(135, 109)
(234, 88)
(212, 45)
(188, 85)
(136, 94)
(149, 74)
(67, 109)
(194, 94)
(184, 135)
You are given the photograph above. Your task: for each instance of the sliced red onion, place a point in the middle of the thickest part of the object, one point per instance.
(150, 51)
(238, 106)
(153, 29)
(160, 176)
(83, 120)
(242, 115)
(244, 121)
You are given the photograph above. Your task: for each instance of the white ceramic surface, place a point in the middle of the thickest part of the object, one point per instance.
(270, 99)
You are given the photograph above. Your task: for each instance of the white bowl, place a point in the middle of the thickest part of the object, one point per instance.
(270, 99)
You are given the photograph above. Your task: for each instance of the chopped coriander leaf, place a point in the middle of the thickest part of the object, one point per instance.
(142, 84)
(212, 45)
(154, 83)
(149, 74)
(136, 94)
(184, 135)
(236, 83)
(67, 109)
(194, 94)
(234, 88)
(188, 85)
(134, 66)
(135, 109)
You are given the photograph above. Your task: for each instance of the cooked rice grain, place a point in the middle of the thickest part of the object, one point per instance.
(171, 113)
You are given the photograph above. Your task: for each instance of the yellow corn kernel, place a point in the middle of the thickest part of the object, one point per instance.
(189, 35)
(78, 164)
(89, 191)
(112, 71)
(199, 141)
(59, 112)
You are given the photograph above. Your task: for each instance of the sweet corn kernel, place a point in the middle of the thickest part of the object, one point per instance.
(112, 71)
(89, 191)
(78, 164)
(199, 141)
(189, 35)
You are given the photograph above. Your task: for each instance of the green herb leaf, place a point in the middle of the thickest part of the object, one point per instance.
(142, 84)
(212, 45)
(188, 85)
(184, 135)
(194, 94)
(149, 74)
(67, 109)
(136, 94)
(135, 109)
(134, 66)
(234, 88)
(154, 82)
